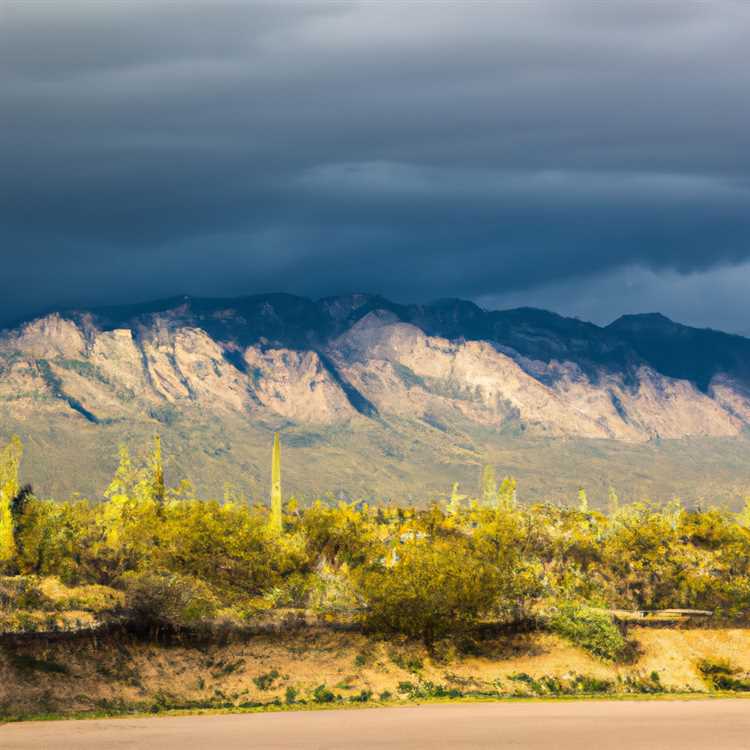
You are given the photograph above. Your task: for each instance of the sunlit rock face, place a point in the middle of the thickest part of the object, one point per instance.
(344, 358)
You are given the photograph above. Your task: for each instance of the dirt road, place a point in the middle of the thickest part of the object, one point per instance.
(657, 725)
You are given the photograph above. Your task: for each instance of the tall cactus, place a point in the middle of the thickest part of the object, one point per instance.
(454, 506)
(506, 495)
(158, 489)
(583, 501)
(276, 520)
(489, 485)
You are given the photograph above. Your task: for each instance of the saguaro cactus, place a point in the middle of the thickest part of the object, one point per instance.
(506, 495)
(454, 506)
(489, 485)
(276, 520)
(158, 488)
(583, 501)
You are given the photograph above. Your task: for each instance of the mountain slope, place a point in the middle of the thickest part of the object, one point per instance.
(375, 397)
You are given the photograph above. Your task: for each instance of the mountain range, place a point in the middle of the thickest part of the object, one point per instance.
(378, 399)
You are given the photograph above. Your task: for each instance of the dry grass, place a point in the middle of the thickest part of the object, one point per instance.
(675, 653)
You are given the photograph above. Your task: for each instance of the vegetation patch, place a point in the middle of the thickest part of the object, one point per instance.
(266, 681)
(27, 663)
(322, 694)
(377, 600)
(591, 629)
(721, 674)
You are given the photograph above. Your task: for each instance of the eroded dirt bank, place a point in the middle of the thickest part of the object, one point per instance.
(117, 673)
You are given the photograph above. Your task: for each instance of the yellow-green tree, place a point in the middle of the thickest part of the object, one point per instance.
(276, 522)
(435, 588)
(122, 486)
(10, 461)
(138, 483)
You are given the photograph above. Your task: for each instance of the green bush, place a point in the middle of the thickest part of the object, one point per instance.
(573, 684)
(522, 678)
(363, 697)
(721, 674)
(637, 682)
(168, 599)
(591, 629)
(322, 694)
(427, 689)
(266, 681)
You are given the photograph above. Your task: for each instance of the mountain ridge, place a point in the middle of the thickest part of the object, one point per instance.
(476, 323)
(370, 380)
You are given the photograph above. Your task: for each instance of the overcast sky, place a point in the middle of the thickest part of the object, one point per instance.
(588, 157)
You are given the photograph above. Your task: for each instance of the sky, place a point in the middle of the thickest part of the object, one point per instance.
(591, 158)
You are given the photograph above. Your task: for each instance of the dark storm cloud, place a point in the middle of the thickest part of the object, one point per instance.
(499, 151)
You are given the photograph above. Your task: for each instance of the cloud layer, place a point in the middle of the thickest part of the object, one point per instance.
(498, 151)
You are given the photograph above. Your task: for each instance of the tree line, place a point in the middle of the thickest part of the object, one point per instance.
(425, 572)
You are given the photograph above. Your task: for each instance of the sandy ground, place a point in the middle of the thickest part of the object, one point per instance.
(635, 725)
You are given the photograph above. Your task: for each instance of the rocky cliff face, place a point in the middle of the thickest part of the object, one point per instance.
(378, 363)
(362, 362)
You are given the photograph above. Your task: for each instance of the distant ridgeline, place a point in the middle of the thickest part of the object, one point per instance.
(381, 400)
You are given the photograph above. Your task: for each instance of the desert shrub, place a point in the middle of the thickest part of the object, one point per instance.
(405, 658)
(432, 590)
(589, 685)
(49, 594)
(721, 674)
(637, 682)
(294, 591)
(224, 668)
(168, 599)
(591, 629)
(343, 534)
(521, 678)
(427, 689)
(225, 545)
(266, 681)
(570, 684)
(362, 697)
(22, 592)
(90, 598)
(332, 590)
(322, 694)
